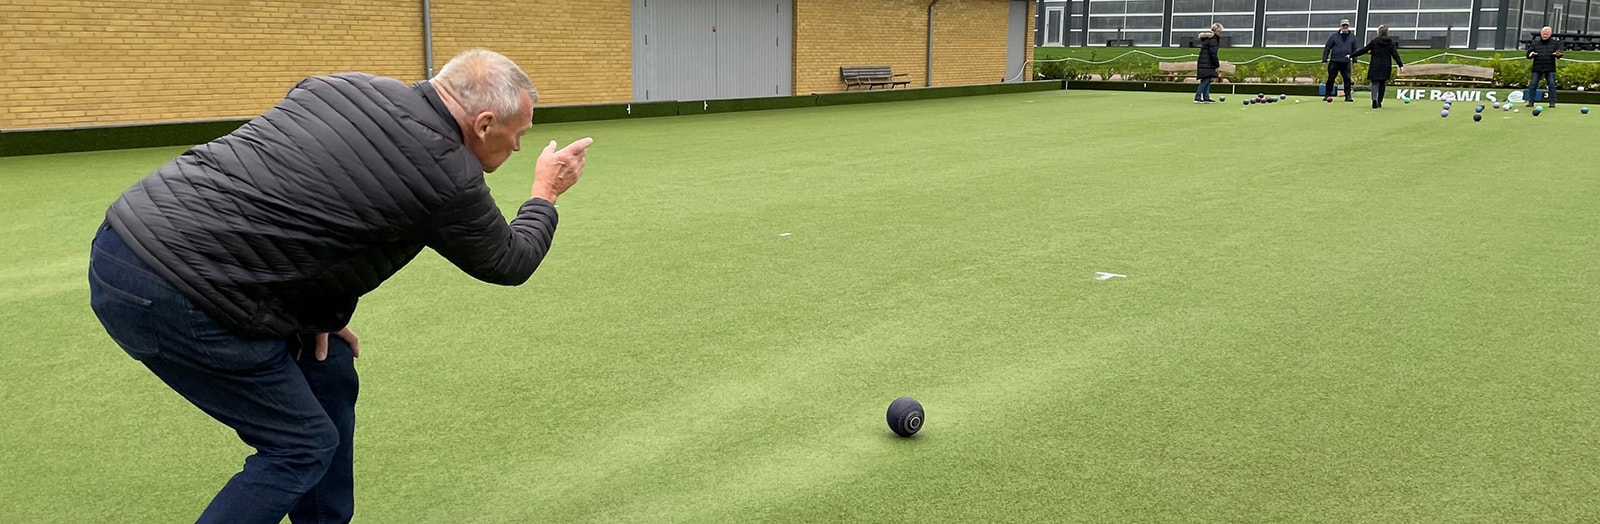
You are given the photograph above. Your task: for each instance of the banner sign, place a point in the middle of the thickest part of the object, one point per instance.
(1461, 95)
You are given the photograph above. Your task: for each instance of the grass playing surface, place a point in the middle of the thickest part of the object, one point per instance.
(1330, 314)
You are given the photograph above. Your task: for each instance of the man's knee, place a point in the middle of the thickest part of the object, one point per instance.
(307, 457)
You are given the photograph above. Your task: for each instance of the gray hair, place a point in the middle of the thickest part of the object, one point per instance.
(1383, 30)
(483, 80)
(1216, 27)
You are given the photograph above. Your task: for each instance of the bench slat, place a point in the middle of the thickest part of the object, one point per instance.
(1179, 67)
(871, 76)
(867, 72)
(1448, 69)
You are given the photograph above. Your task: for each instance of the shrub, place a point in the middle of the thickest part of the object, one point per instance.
(1509, 73)
(1572, 76)
(1054, 70)
(1060, 70)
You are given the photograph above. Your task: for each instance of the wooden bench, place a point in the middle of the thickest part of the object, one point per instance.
(1473, 75)
(1180, 71)
(871, 77)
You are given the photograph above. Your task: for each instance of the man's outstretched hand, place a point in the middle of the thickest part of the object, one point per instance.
(557, 171)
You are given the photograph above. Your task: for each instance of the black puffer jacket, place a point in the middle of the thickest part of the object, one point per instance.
(1383, 50)
(280, 226)
(1206, 64)
(1545, 60)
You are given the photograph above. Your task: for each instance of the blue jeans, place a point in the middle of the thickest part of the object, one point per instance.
(1204, 92)
(298, 413)
(1533, 87)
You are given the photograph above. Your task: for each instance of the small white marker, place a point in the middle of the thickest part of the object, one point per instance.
(783, 234)
(1101, 275)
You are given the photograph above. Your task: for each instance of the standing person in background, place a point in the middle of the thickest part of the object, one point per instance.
(1543, 51)
(1383, 49)
(1206, 64)
(1336, 55)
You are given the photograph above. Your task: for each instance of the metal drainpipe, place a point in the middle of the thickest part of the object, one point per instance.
(427, 39)
(929, 82)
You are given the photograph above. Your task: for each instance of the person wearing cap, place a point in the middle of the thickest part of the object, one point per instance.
(1334, 55)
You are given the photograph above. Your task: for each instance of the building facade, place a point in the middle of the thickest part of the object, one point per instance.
(1468, 24)
(117, 62)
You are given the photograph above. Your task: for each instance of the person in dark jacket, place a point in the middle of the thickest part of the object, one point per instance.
(1206, 64)
(225, 270)
(1383, 49)
(1543, 51)
(1335, 55)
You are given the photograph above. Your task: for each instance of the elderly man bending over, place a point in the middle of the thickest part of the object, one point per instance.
(225, 270)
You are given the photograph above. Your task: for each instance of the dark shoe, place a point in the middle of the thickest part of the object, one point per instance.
(1552, 105)
(1530, 104)
(1348, 99)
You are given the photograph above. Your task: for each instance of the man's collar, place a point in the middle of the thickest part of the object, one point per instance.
(431, 94)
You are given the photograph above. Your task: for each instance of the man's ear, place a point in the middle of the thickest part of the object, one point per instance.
(481, 124)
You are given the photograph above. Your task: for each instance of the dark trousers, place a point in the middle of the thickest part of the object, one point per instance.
(1533, 87)
(1379, 89)
(298, 413)
(1338, 68)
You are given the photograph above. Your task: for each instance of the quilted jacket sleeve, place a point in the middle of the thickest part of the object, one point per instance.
(471, 233)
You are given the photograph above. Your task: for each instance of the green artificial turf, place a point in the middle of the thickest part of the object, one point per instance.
(1330, 314)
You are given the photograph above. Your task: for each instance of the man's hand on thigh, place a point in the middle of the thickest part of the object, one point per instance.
(347, 335)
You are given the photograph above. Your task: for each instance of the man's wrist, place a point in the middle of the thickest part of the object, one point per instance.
(548, 195)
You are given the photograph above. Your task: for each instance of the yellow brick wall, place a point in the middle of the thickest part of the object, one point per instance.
(575, 52)
(99, 62)
(71, 63)
(830, 34)
(969, 41)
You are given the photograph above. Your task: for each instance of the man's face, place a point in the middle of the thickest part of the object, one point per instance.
(1344, 28)
(1544, 33)
(497, 138)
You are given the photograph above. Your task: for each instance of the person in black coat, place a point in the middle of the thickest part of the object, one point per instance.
(1383, 49)
(224, 271)
(1336, 55)
(1543, 51)
(1206, 64)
